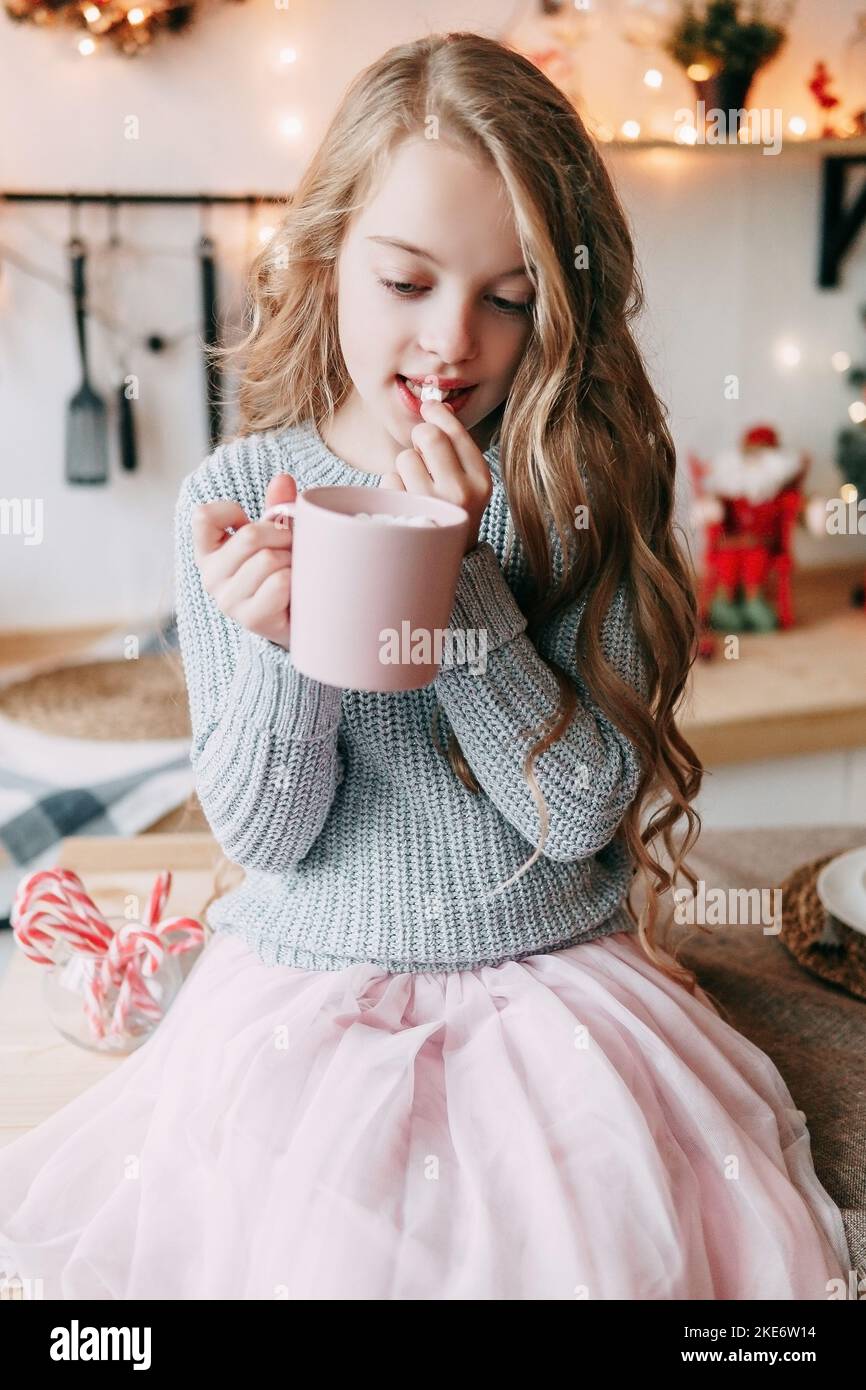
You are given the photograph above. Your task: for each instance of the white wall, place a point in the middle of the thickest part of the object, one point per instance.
(727, 242)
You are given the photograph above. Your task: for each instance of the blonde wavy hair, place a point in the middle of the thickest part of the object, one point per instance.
(581, 416)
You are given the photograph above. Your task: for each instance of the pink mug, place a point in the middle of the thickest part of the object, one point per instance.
(371, 601)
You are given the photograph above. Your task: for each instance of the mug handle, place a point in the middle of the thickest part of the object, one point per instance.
(279, 509)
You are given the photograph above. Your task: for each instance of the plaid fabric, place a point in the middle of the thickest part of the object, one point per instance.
(52, 787)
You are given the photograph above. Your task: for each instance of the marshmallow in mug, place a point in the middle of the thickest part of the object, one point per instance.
(280, 509)
(388, 519)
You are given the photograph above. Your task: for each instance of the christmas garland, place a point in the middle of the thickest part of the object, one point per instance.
(131, 25)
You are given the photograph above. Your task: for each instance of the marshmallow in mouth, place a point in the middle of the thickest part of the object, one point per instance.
(429, 391)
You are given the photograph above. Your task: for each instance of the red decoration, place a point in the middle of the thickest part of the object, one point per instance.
(818, 85)
(749, 501)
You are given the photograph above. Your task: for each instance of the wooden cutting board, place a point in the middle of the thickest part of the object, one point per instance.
(39, 1070)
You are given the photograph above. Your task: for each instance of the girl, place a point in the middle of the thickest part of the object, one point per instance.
(414, 1062)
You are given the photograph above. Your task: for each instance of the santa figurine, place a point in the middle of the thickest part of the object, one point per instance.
(749, 497)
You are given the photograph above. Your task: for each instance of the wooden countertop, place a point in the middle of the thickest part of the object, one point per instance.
(786, 693)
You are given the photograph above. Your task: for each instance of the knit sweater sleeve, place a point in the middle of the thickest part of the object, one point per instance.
(264, 736)
(497, 704)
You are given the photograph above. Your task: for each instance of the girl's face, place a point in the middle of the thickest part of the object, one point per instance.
(453, 300)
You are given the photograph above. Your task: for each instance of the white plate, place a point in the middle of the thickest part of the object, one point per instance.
(841, 886)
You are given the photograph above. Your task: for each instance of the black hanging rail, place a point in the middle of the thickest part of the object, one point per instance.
(75, 198)
(166, 198)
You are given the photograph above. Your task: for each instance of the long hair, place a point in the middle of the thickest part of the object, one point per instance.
(581, 426)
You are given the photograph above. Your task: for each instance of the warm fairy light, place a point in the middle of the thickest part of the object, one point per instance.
(288, 55)
(788, 353)
(848, 492)
(686, 135)
(698, 72)
(857, 412)
(630, 129)
(86, 47)
(603, 132)
(265, 233)
(841, 361)
(92, 13)
(291, 125)
(135, 16)
(797, 125)
(652, 77)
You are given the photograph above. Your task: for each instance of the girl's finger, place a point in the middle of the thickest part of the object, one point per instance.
(470, 456)
(437, 454)
(414, 473)
(246, 582)
(270, 601)
(225, 562)
(209, 523)
(392, 481)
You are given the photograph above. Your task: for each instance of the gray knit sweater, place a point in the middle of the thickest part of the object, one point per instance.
(358, 840)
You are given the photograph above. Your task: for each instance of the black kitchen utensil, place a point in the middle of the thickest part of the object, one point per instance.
(126, 430)
(210, 334)
(86, 423)
(125, 413)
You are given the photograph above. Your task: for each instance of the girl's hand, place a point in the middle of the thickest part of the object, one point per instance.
(249, 574)
(445, 462)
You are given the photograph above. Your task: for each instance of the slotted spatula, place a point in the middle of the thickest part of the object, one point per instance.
(86, 423)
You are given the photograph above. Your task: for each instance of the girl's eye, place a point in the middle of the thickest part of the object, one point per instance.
(399, 287)
(511, 306)
(404, 289)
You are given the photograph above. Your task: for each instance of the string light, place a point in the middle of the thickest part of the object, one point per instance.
(291, 125)
(698, 72)
(686, 135)
(630, 129)
(789, 354)
(841, 361)
(652, 77)
(857, 412)
(128, 25)
(288, 55)
(797, 125)
(848, 492)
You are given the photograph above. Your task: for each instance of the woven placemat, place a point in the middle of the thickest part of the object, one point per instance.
(140, 699)
(815, 938)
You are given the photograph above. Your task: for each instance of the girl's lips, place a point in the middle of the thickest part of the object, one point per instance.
(456, 402)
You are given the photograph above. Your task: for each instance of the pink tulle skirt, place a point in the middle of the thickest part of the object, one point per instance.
(571, 1125)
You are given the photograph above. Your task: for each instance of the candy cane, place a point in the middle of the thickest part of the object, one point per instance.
(51, 906)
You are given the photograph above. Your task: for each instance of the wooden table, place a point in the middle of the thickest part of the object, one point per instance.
(814, 1032)
(39, 1070)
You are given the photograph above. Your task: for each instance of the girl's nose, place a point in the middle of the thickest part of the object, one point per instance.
(449, 333)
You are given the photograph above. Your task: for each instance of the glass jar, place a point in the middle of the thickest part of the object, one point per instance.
(67, 987)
